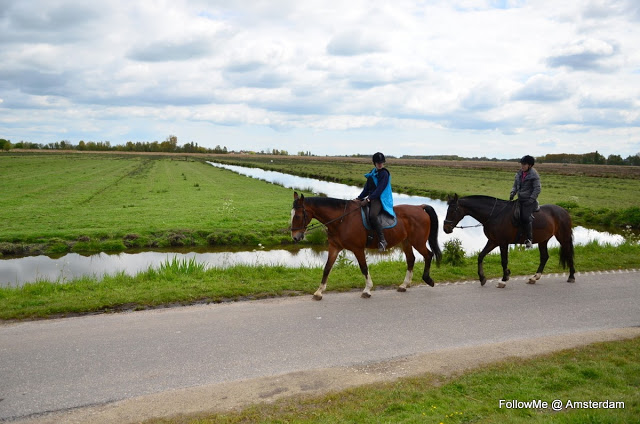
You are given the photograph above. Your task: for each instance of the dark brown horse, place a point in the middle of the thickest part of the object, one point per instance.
(343, 221)
(496, 216)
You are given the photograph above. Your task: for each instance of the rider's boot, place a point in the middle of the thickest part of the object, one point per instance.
(382, 244)
(529, 231)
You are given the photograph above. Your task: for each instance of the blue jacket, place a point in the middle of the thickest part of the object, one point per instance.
(379, 186)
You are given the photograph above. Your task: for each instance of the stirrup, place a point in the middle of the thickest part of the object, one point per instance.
(382, 246)
(527, 244)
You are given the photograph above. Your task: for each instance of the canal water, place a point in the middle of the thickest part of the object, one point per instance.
(18, 271)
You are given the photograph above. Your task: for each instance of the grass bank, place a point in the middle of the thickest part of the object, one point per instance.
(594, 196)
(186, 282)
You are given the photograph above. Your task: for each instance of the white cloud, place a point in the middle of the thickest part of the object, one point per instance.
(489, 78)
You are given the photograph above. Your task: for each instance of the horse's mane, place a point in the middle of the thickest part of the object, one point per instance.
(330, 202)
(486, 201)
(482, 197)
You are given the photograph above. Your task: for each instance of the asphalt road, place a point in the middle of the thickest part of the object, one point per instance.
(62, 364)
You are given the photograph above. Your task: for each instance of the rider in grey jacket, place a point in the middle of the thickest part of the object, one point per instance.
(527, 186)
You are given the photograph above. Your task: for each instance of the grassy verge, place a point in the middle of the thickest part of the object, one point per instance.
(600, 372)
(178, 283)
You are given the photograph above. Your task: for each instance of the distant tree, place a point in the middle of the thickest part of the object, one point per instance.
(5, 144)
(633, 160)
(66, 145)
(615, 160)
(27, 145)
(170, 144)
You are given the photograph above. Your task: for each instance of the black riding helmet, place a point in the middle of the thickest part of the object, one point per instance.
(528, 160)
(378, 158)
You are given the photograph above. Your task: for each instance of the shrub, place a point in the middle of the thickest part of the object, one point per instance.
(317, 236)
(453, 253)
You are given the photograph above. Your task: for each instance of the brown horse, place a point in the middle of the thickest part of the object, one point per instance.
(496, 216)
(342, 219)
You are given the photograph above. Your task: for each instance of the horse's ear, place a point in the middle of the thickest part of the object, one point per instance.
(295, 195)
(455, 197)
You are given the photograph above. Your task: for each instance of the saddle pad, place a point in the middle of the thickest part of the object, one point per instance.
(388, 221)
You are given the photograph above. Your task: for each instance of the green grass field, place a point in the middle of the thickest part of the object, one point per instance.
(58, 203)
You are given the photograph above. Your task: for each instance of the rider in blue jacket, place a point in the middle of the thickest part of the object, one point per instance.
(377, 192)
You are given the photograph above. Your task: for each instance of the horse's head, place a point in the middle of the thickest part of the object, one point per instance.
(455, 213)
(299, 218)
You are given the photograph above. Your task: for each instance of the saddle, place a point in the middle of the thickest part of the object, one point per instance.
(386, 220)
(515, 216)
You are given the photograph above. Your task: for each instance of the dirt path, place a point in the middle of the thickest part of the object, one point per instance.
(233, 395)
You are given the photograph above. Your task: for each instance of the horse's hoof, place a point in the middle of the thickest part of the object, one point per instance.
(500, 285)
(531, 281)
(571, 280)
(402, 289)
(429, 282)
(317, 297)
(483, 281)
(365, 295)
(506, 275)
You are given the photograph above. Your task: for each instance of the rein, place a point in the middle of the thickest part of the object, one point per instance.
(320, 224)
(477, 225)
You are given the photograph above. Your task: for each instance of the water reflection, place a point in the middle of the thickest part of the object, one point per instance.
(15, 272)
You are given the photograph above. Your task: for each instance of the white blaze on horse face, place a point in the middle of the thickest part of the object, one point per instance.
(296, 233)
(293, 231)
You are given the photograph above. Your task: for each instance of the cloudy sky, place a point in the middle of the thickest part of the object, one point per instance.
(496, 78)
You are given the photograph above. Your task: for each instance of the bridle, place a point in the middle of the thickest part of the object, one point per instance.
(306, 220)
(472, 226)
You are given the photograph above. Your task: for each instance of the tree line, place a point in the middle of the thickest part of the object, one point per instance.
(170, 145)
(592, 158)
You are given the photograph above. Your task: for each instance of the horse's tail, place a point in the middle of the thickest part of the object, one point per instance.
(433, 233)
(565, 237)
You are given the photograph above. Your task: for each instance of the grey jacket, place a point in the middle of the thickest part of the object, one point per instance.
(529, 188)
